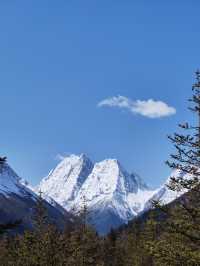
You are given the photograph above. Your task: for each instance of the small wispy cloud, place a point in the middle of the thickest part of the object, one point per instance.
(149, 108)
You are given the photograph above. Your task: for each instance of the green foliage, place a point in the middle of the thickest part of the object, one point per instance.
(179, 244)
(40, 216)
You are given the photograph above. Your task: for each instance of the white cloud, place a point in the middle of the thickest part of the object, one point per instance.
(149, 108)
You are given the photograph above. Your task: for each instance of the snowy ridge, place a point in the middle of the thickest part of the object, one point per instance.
(165, 195)
(112, 195)
(11, 183)
(63, 183)
(18, 201)
(110, 183)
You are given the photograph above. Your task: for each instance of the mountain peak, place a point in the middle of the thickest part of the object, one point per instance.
(106, 188)
(18, 201)
(84, 156)
(74, 159)
(111, 161)
(64, 182)
(9, 180)
(11, 183)
(73, 156)
(103, 179)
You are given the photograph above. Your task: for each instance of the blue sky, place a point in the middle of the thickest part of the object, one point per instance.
(59, 59)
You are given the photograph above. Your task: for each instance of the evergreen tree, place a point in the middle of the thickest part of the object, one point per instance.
(85, 246)
(183, 222)
(39, 247)
(110, 249)
(40, 215)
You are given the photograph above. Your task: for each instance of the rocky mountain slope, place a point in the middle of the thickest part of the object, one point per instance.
(17, 201)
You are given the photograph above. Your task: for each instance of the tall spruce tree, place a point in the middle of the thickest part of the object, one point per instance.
(40, 215)
(181, 241)
(85, 249)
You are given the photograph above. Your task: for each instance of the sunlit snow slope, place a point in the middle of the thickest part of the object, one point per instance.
(112, 195)
(164, 194)
(64, 182)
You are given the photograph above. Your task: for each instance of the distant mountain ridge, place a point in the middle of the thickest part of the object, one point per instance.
(112, 195)
(164, 194)
(18, 200)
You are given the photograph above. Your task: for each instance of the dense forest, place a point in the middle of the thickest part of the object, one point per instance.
(166, 235)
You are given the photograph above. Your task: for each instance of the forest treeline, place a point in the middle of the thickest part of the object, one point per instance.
(168, 235)
(153, 240)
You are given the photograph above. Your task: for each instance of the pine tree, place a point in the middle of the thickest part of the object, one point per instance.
(40, 246)
(40, 215)
(136, 242)
(84, 247)
(46, 236)
(110, 249)
(181, 241)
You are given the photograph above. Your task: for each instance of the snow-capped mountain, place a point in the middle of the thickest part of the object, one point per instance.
(111, 194)
(64, 182)
(11, 183)
(109, 182)
(17, 200)
(165, 195)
